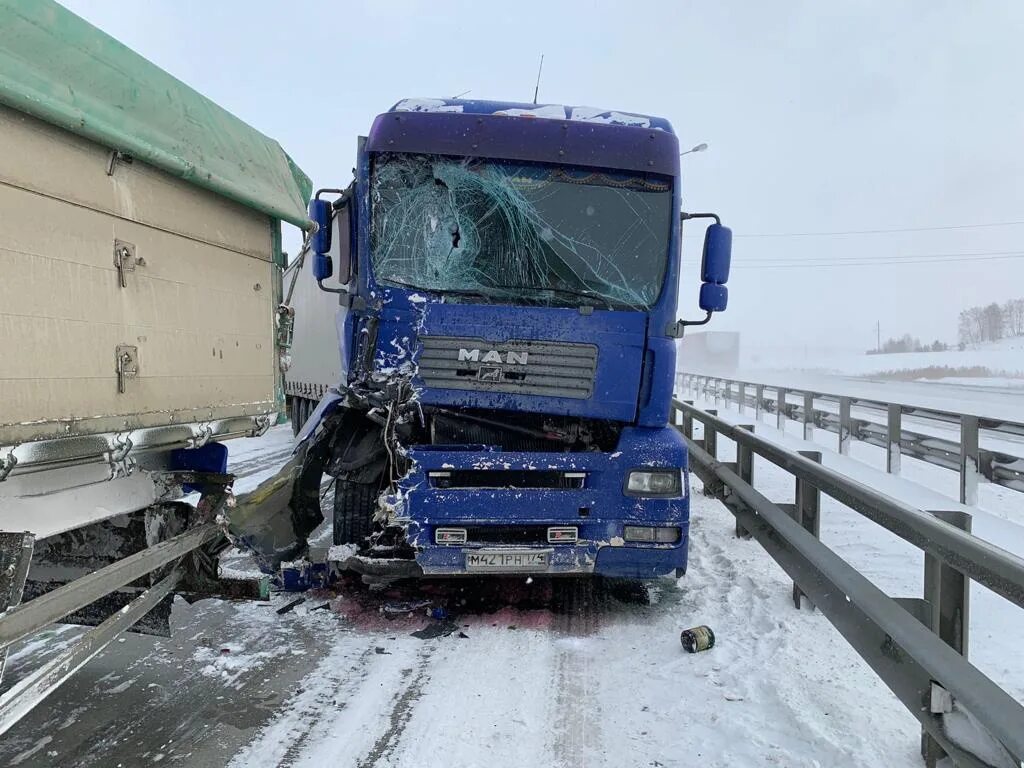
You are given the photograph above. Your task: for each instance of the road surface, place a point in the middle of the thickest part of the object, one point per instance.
(564, 679)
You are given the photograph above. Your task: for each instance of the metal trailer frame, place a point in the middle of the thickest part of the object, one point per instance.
(918, 646)
(17, 621)
(973, 463)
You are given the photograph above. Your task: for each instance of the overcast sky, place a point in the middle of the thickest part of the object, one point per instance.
(821, 117)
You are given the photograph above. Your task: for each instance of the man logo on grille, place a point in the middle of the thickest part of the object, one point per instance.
(492, 356)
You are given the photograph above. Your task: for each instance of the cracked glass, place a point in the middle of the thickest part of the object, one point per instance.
(482, 230)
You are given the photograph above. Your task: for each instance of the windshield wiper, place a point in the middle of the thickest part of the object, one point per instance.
(517, 292)
(477, 293)
(579, 294)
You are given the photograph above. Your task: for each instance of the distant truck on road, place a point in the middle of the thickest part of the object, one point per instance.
(503, 280)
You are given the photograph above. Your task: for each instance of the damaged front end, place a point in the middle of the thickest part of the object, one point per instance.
(494, 339)
(357, 440)
(423, 490)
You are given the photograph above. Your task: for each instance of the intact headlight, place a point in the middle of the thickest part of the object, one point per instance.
(655, 482)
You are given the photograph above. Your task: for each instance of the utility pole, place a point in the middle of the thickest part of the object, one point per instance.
(878, 336)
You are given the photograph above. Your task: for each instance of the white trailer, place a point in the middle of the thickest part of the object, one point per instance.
(315, 361)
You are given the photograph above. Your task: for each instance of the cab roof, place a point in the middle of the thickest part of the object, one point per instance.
(541, 133)
(544, 111)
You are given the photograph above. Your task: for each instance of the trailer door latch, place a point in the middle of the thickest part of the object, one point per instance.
(127, 364)
(125, 260)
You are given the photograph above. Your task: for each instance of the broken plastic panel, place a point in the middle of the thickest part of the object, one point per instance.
(274, 520)
(536, 234)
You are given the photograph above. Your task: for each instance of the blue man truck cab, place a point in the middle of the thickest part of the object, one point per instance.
(507, 277)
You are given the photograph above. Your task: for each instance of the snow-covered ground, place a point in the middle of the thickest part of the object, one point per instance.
(334, 682)
(1003, 358)
(996, 625)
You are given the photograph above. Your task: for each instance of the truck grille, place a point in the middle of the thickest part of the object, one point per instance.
(548, 368)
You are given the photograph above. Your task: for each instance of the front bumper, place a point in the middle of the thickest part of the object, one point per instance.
(599, 509)
(626, 561)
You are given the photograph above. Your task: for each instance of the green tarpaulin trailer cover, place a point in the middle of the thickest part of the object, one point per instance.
(61, 69)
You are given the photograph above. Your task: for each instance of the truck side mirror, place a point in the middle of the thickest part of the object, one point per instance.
(320, 240)
(714, 268)
(713, 297)
(714, 273)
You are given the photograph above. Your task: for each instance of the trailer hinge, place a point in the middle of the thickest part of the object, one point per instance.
(125, 260)
(127, 364)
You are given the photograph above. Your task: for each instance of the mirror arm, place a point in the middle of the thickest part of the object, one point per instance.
(325, 289)
(684, 216)
(325, 190)
(675, 330)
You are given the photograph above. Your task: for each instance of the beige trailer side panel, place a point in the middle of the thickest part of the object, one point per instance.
(198, 307)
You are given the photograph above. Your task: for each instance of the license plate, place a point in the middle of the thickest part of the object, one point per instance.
(489, 560)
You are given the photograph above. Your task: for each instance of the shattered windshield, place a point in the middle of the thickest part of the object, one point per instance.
(504, 232)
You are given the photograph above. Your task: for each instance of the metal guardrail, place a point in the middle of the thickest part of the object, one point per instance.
(885, 430)
(917, 646)
(20, 620)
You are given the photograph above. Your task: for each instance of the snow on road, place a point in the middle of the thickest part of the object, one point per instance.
(779, 688)
(333, 682)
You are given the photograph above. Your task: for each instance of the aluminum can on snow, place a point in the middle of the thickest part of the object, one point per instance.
(697, 639)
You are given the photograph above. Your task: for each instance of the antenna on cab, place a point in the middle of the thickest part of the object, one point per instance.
(539, 70)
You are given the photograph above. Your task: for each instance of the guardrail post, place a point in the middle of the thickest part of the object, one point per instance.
(759, 401)
(969, 460)
(894, 431)
(780, 409)
(741, 389)
(807, 510)
(808, 416)
(15, 556)
(948, 590)
(948, 593)
(688, 421)
(745, 469)
(710, 441)
(845, 425)
(710, 444)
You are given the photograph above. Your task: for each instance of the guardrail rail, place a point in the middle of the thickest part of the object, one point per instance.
(884, 428)
(919, 645)
(174, 564)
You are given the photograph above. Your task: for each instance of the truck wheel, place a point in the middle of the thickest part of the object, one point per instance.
(354, 505)
(301, 410)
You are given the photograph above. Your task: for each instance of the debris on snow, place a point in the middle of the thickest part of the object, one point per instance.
(404, 607)
(437, 629)
(290, 606)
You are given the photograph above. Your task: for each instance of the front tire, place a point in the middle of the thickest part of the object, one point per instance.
(354, 506)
